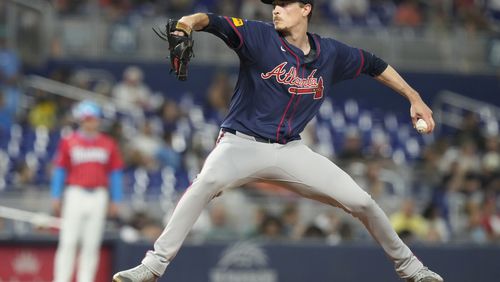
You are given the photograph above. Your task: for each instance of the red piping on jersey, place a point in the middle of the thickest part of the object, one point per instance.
(293, 95)
(318, 46)
(292, 116)
(237, 32)
(362, 62)
(219, 138)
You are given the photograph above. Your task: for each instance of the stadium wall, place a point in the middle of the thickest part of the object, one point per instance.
(31, 260)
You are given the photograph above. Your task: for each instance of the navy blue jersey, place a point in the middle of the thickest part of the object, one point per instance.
(279, 89)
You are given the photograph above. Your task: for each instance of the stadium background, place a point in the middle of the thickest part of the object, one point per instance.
(54, 53)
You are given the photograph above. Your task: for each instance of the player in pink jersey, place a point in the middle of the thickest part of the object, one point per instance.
(88, 166)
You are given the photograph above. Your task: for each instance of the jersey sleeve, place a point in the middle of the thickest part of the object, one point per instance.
(349, 61)
(115, 158)
(246, 38)
(62, 158)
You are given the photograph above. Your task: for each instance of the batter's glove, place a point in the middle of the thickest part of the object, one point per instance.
(179, 46)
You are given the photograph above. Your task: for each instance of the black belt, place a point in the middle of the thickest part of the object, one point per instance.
(257, 138)
(260, 139)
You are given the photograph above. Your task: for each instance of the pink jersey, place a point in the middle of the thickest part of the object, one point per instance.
(88, 162)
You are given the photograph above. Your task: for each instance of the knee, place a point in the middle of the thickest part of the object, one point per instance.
(363, 205)
(207, 184)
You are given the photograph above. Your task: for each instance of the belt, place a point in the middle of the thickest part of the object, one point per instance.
(258, 138)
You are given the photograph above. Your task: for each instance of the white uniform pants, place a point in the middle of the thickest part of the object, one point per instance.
(239, 159)
(83, 219)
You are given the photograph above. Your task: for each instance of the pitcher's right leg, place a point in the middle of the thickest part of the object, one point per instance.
(219, 172)
(189, 208)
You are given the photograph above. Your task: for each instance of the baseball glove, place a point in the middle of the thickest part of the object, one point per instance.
(179, 46)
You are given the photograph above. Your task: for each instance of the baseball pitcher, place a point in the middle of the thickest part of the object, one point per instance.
(285, 74)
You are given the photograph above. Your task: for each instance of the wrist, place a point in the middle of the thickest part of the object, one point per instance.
(413, 97)
(196, 21)
(184, 26)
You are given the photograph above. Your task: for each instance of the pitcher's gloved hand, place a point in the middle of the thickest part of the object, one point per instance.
(180, 45)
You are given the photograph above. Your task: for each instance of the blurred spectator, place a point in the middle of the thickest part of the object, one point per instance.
(178, 7)
(491, 219)
(10, 65)
(227, 7)
(465, 157)
(131, 95)
(493, 8)
(475, 231)
(170, 113)
(10, 68)
(438, 231)
(427, 167)
(43, 113)
(438, 13)
(271, 229)
(220, 230)
(335, 229)
(472, 187)
(352, 149)
(144, 147)
(115, 10)
(6, 115)
(470, 14)
(381, 191)
(81, 79)
(470, 130)
(490, 161)
(292, 228)
(151, 231)
(166, 155)
(103, 87)
(140, 227)
(252, 9)
(253, 228)
(408, 14)
(116, 132)
(218, 97)
(408, 223)
(69, 7)
(24, 175)
(350, 7)
(313, 233)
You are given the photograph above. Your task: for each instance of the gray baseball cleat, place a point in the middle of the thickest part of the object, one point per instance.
(137, 274)
(425, 275)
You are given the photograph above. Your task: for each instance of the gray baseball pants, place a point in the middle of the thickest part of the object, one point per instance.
(239, 159)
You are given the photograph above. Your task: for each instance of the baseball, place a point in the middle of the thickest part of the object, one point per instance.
(421, 126)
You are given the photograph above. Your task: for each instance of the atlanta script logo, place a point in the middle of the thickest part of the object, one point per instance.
(298, 85)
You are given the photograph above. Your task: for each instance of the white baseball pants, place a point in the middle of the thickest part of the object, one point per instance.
(239, 159)
(83, 219)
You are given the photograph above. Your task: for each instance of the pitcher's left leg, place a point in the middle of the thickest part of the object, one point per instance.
(316, 177)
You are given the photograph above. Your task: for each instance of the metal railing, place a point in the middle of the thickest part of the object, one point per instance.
(110, 107)
(449, 108)
(450, 50)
